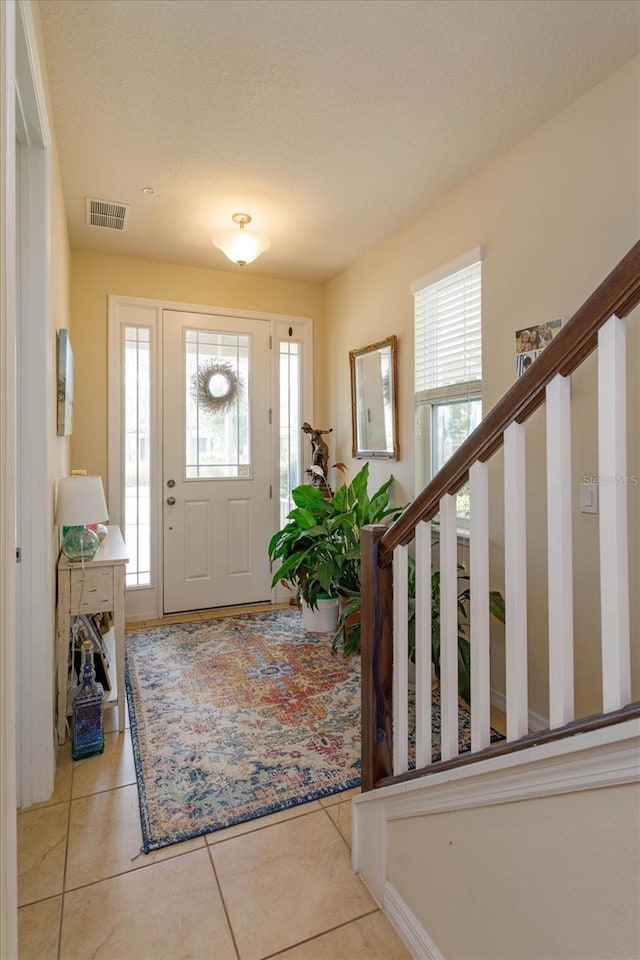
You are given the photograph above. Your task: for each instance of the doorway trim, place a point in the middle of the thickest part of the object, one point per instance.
(36, 747)
(147, 602)
(8, 705)
(27, 765)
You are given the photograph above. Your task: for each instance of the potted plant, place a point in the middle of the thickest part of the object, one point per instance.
(319, 546)
(348, 633)
(354, 509)
(305, 551)
(496, 607)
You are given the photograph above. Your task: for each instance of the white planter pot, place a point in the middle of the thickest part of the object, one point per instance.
(322, 620)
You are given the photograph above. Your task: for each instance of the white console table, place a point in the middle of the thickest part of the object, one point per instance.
(97, 588)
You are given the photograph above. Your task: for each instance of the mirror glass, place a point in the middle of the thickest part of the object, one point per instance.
(374, 407)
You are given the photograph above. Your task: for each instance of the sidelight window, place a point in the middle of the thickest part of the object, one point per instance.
(137, 454)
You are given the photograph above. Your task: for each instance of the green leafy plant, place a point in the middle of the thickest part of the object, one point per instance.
(352, 509)
(496, 607)
(350, 636)
(319, 546)
(356, 510)
(305, 547)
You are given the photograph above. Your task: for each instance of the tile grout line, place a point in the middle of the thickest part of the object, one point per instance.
(265, 826)
(66, 860)
(181, 853)
(41, 807)
(224, 902)
(31, 903)
(95, 793)
(326, 810)
(99, 793)
(143, 866)
(307, 939)
(338, 926)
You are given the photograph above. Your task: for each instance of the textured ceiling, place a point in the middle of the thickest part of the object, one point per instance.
(332, 122)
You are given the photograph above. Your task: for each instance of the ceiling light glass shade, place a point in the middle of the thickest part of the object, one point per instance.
(241, 246)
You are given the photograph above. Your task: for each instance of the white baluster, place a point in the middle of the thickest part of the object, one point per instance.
(515, 557)
(479, 607)
(423, 644)
(449, 626)
(560, 552)
(614, 549)
(400, 661)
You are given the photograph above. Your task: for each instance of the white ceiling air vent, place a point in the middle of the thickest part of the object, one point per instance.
(106, 213)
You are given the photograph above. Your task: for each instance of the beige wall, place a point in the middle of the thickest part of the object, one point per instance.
(555, 213)
(95, 276)
(556, 877)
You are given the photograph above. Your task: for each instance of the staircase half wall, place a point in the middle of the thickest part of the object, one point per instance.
(528, 855)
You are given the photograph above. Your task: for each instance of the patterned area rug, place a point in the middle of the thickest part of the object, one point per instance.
(464, 727)
(235, 718)
(238, 717)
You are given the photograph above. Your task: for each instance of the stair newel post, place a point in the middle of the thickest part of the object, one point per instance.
(377, 660)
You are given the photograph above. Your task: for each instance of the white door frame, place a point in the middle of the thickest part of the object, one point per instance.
(36, 745)
(26, 690)
(147, 602)
(8, 856)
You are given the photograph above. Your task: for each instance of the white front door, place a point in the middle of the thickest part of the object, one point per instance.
(217, 512)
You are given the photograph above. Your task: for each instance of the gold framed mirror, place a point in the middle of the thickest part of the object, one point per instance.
(374, 400)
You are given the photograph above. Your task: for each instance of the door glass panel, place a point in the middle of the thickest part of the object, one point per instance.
(137, 459)
(290, 425)
(217, 428)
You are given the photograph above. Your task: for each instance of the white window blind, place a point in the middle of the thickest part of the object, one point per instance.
(448, 336)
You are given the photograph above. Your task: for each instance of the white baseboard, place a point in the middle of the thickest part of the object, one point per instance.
(409, 929)
(536, 721)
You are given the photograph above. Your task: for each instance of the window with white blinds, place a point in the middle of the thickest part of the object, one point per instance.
(448, 335)
(448, 365)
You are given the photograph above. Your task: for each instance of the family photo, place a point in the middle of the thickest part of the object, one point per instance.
(531, 341)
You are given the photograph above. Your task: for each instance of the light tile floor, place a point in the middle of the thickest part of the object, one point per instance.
(279, 887)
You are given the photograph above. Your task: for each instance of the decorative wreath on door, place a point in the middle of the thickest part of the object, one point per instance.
(216, 386)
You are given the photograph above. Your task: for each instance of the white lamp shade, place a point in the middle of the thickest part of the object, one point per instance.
(80, 501)
(241, 246)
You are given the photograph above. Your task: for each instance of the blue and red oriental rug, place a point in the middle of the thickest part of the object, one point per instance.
(235, 718)
(238, 717)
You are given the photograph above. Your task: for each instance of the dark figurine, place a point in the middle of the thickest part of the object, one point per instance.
(319, 456)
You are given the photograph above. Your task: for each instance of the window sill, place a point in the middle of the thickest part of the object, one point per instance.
(463, 534)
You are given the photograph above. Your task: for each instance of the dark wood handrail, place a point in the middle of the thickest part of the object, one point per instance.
(503, 747)
(618, 294)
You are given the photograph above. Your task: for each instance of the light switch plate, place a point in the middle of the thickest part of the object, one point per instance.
(588, 498)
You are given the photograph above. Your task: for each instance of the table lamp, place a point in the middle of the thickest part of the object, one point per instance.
(80, 501)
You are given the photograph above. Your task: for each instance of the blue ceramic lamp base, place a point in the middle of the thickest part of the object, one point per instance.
(78, 543)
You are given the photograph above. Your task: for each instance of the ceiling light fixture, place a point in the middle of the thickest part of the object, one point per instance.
(241, 246)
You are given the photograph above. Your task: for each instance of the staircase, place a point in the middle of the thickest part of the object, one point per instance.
(526, 847)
